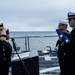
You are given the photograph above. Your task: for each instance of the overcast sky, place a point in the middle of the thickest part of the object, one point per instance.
(34, 15)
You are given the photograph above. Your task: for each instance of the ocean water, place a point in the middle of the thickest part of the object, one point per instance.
(34, 40)
(31, 33)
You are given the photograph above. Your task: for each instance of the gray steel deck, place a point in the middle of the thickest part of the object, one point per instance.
(48, 64)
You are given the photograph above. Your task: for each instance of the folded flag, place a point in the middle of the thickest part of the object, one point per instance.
(62, 36)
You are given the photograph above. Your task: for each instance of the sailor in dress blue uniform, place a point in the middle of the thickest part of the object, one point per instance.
(5, 51)
(62, 31)
(70, 47)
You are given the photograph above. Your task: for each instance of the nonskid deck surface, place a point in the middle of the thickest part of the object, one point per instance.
(48, 64)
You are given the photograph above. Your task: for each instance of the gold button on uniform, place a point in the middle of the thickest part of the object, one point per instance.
(4, 54)
(3, 49)
(4, 58)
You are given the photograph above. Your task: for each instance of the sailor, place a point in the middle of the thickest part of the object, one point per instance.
(5, 51)
(70, 47)
(63, 24)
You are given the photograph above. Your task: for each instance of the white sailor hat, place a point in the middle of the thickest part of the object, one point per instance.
(64, 22)
(71, 15)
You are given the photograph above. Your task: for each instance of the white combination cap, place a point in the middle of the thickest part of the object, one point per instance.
(1, 22)
(71, 13)
(65, 22)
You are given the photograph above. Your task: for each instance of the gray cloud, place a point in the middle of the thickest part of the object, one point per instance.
(34, 14)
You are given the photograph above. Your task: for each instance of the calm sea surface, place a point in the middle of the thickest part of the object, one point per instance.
(32, 33)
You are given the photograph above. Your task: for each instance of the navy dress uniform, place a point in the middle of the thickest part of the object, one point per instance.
(5, 53)
(61, 51)
(70, 47)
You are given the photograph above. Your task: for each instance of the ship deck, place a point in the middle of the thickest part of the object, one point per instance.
(48, 64)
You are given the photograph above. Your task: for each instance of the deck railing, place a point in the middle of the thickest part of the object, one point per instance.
(28, 43)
